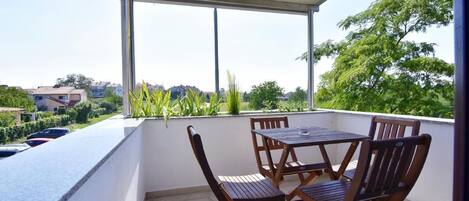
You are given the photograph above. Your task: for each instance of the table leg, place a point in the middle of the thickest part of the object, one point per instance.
(347, 158)
(328, 162)
(269, 155)
(281, 165)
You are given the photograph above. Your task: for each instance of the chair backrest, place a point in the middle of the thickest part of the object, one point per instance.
(388, 169)
(198, 148)
(268, 123)
(390, 128)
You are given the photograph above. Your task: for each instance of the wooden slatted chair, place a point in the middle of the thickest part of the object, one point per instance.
(389, 128)
(387, 170)
(266, 169)
(246, 188)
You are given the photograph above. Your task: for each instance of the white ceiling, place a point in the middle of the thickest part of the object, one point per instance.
(288, 6)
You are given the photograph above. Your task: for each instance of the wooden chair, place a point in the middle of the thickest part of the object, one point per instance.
(247, 188)
(266, 169)
(387, 170)
(389, 128)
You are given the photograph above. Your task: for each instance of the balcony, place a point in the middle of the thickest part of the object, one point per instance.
(142, 159)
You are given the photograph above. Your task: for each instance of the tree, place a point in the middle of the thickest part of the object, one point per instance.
(112, 97)
(83, 110)
(376, 69)
(265, 95)
(299, 95)
(15, 97)
(78, 81)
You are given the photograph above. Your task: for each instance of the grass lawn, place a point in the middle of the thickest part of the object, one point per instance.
(90, 122)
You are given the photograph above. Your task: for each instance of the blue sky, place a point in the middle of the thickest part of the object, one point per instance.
(42, 40)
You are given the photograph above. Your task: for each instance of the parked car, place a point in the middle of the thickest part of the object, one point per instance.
(50, 133)
(37, 141)
(12, 149)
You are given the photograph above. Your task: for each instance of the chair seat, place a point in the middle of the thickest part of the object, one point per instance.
(349, 171)
(328, 191)
(250, 187)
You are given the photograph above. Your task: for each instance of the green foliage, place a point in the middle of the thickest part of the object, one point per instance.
(265, 95)
(72, 113)
(299, 95)
(41, 115)
(213, 105)
(233, 96)
(292, 106)
(112, 97)
(78, 81)
(376, 69)
(14, 97)
(158, 104)
(96, 112)
(12, 133)
(83, 110)
(109, 107)
(7, 119)
(191, 104)
(146, 104)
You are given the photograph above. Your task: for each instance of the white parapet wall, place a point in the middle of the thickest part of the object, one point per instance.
(121, 177)
(170, 163)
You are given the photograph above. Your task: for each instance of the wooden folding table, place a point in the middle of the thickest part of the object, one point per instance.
(309, 136)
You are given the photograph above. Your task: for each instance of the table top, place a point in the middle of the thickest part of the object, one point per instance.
(314, 136)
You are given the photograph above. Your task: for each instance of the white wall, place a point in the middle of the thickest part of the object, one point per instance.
(435, 182)
(171, 164)
(120, 178)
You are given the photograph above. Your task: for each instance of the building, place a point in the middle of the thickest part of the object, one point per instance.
(98, 89)
(52, 98)
(117, 89)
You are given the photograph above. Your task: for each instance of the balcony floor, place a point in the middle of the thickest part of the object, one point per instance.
(286, 186)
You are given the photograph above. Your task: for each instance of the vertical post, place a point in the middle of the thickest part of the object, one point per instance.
(311, 57)
(128, 54)
(215, 30)
(461, 138)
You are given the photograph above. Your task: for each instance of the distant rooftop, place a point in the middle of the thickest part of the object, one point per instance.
(55, 90)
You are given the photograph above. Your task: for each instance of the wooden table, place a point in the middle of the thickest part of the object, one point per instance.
(291, 138)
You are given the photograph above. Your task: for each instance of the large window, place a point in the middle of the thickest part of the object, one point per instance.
(174, 45)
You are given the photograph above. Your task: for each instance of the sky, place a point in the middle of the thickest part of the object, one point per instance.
(42, 40)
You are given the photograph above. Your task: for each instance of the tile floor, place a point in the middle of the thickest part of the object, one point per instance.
(286, 186)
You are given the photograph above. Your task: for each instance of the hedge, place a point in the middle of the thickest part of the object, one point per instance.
(97, 112)
(12, 133)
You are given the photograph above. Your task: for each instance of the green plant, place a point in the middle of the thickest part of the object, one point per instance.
(267, 92)
(72, 113)
(15, 97)
(83, 110)
(233, 96)
(191, 104)
(299, 95)
(7, 119)
(379, 68)
(213, 105)
(146, 104)
(292, 106)
(12, 133)
(108, 106)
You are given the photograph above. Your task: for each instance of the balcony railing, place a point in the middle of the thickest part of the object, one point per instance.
(128, 159)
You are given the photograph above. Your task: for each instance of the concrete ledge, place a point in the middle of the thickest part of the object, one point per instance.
(421, 118)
